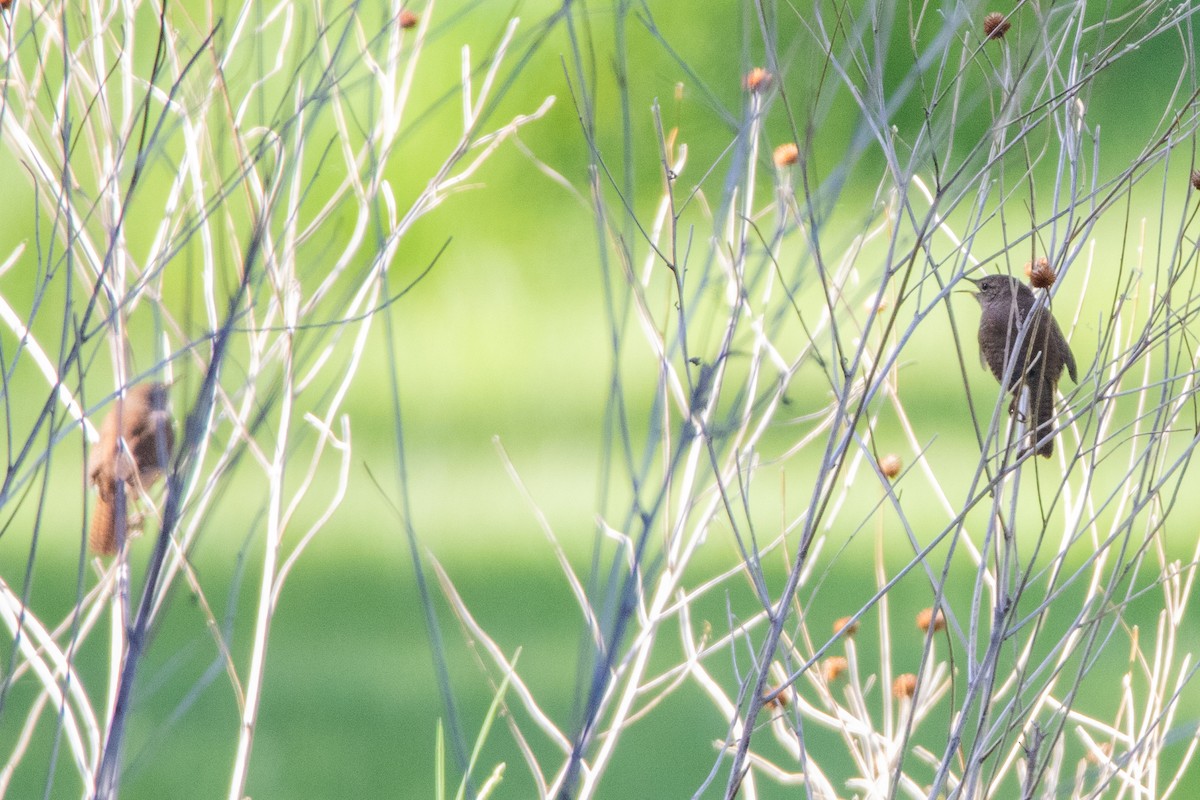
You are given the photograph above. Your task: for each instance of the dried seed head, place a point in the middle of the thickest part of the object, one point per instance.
(787, 154)
(995, 25)
(1041, 275)
(928, 616)
(1196, 179)
(1101, 757)
(845, 625)
(873, 307)
(757, 80)
(781, 700)
(5, 3)
(904, 686)
(835, 666)
(408, 19)
(890, 465)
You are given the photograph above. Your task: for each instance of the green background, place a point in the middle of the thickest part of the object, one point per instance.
(506, 338)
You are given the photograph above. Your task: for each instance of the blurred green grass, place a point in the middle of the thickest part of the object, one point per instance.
(350, 704)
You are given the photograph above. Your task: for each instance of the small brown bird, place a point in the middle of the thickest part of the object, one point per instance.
(135, 446)
(1039, 361)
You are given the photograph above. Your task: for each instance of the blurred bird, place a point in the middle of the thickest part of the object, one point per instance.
(1037, 363)
(136, 441)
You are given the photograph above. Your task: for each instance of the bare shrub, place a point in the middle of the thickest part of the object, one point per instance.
(212, 209)
(815, 390)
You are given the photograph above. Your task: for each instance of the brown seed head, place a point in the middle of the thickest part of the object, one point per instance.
(1103, 756)
(995, 25)
(1196, 179)
(890, 465)
(408, 19)
(905, 686)
(928, 616)
(835, 666)
(757, 80)
(787, 154)
(5, 3)
(1041, 275)
(844, 625)
(781, 700)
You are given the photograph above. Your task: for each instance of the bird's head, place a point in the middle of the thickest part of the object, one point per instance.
(991, 288)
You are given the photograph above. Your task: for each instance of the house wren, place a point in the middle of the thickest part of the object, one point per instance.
(136, 441)
(1037, 360)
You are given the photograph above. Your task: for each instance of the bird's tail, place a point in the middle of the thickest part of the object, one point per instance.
(103, 534)
(1041, 403)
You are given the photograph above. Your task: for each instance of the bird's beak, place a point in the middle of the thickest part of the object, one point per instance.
(968, 291)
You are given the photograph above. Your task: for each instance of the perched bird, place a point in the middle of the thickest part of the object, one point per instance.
(1037, 358)
(135, 446)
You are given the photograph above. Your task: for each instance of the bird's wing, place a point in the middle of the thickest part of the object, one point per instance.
(1070, 359)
